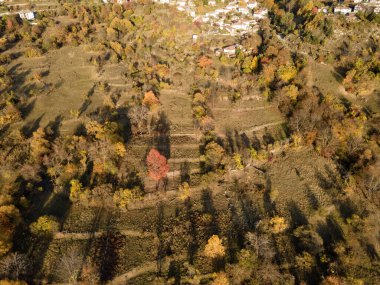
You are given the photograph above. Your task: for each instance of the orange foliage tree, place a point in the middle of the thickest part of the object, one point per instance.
(204, 62)
(157, 165)
(150, 100)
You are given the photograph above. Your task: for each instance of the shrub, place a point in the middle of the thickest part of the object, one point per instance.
(33, 52)
(45, 226)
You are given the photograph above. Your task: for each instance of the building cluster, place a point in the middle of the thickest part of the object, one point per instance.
(27, 15)
(355, 7)
(233, 18)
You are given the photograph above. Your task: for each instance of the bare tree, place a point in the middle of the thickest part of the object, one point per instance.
(260, 245)
(14, 265)
(70, 266)
(139, 116)
(372, 183)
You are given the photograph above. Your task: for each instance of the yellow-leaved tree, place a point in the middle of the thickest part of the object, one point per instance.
(214, 248)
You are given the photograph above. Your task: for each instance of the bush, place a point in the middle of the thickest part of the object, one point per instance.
(45, 226)
(33, 52)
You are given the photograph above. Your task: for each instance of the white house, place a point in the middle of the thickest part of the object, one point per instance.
(164, 1)
(212, 2)
(221, 11)
(252, 4)
(192, 13)
(231, 50)
(377, 10)
(260, 13)
(195, 37)
(181, 3)
(27, 15)
(358, 1)
(205, 19)
(243, 10)
(324, 10)
(359, 8)
(231, 6)
(241, 25)
(342, 10)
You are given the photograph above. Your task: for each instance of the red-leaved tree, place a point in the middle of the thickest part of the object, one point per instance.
(158, 166)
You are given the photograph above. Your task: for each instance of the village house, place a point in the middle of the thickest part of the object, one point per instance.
(26, 15)
(243, 10)
(324, 10)
(192, 13)
(358, 1)
(218, 51)
(359, 8)
(377, 10)
(181, 3)
(231, 50)
(212, 2)
(260, 13)
(240, 25)
(252, 4)
(342, 10)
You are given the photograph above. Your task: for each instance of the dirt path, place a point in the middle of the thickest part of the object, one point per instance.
(144, 268)
(244, 109)
(88, 235)
(182, 160)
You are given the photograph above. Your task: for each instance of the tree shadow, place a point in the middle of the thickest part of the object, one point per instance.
(161, 242)
(29, 128)
(238, 141)
(235, 235)
(107, 250)
(123, 119)
(52, 128)
(25, 109)
(256, 144)
(313, 200)
(298, 218)
(370, 250)
(208, 208)
(162, 134)
(175, 272)
(185, 172)
(194, 244)
(245, 140)
(268, 138)
(230, 146)
(268, 204)
(331, 233)
(87, 101)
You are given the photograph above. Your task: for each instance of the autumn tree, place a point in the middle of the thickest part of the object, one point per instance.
(214, 248)
(45, 226)
(214, 155)
(157, 164)
(220, 279)
(287, 72)
(150, 100)
(278, 224)
(39, 145)
(9, 220)
(204, 62)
